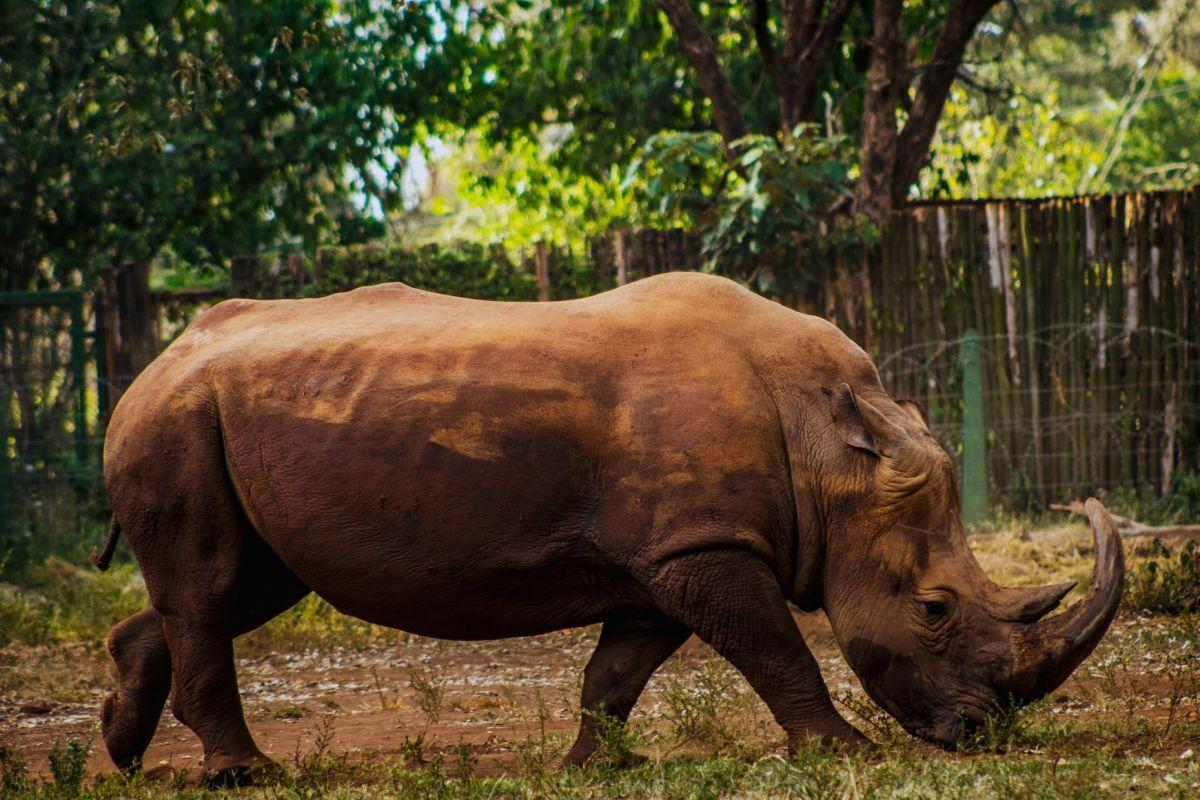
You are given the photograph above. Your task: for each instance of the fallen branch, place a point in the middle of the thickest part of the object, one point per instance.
(1131, 527)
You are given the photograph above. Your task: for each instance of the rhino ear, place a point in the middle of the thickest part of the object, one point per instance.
(916, 411)
(861, 425)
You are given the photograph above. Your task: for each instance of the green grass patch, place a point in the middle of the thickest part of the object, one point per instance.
(814, 775)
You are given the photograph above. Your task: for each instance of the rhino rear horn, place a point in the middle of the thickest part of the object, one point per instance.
(863, 426)
(1026, 603)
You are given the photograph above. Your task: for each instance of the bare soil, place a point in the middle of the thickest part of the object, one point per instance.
(495, 696)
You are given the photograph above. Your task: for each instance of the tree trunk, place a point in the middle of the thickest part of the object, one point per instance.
(874, 193)
(137, 325)
(962, 19)
(698, 48)
(891, 158)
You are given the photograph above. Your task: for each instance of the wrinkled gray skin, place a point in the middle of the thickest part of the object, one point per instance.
(675, 457)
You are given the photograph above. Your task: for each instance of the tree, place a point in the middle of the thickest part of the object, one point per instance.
(907, 74)
(130, 131)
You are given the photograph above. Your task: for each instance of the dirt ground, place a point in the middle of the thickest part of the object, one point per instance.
(365, 701)
(410, 699)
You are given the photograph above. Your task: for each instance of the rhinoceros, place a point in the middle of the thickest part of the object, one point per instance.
(678, 456)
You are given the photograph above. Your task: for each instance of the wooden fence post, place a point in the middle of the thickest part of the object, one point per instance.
(137, 324)
(974, 459)
(541, 264)
(620, 257)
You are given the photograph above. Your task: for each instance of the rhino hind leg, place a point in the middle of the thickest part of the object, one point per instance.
(630, 649)
(130, 715)
(206, 697)
(210, 577)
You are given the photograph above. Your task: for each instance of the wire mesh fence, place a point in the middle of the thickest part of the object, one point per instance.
(1075, 428)
(48, 433)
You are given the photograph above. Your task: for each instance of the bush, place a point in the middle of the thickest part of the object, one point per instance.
(463, 270)
(60, 602)
(1179, 505)
(68, 765)
(1166, 583)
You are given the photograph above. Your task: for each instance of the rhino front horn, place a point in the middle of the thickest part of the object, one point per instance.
(1047, 651)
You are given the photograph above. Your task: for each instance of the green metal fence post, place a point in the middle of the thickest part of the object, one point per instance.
(78, 375)
(974, 457)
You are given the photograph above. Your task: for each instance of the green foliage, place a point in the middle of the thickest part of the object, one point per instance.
(1028, 147)
(14, 776)
(813, 774)
(766, 207)
(460, 269)
(1167, 583)
(68, 766)
(469, 270)
(313, 623)
(615, 742)
(518, 194)
(1180, 505)
(699, 704)
(59, 602)
(1061, 89)
(602, 76)
(131, 129)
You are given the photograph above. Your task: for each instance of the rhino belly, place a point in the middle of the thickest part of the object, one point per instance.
(459, 530)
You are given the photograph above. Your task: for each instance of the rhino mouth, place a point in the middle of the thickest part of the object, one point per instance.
(958, 731)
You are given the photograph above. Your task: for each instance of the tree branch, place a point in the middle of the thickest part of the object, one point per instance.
(797, 26)
(873, 195)
(811, 40)
(766, 47)
(962, 19)
(701, 53)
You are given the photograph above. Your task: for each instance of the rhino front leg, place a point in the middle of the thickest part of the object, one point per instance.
(631, 648)
(734, 603)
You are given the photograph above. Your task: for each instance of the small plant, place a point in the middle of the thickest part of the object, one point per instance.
(878, 724)
(464, 761)
(699, 711)
(1001, 732)
(536, 754)
(412, 751)
(289, 711)
(1177, 647)
(320, 767)
(388, 698)
(13, 775)
(615, 742)
(1166, 583)
(68, 766)
(430, 691)
(427, 782)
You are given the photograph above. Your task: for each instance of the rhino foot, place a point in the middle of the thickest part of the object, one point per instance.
(254, 771)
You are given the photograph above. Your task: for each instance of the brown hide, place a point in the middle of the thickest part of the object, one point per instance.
(470, 469)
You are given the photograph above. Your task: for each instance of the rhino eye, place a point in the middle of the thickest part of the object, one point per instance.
(934, 608)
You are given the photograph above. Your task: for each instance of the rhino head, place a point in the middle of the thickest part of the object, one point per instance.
(933, 640)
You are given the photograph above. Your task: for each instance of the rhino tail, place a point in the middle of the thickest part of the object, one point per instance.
(103, 558)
